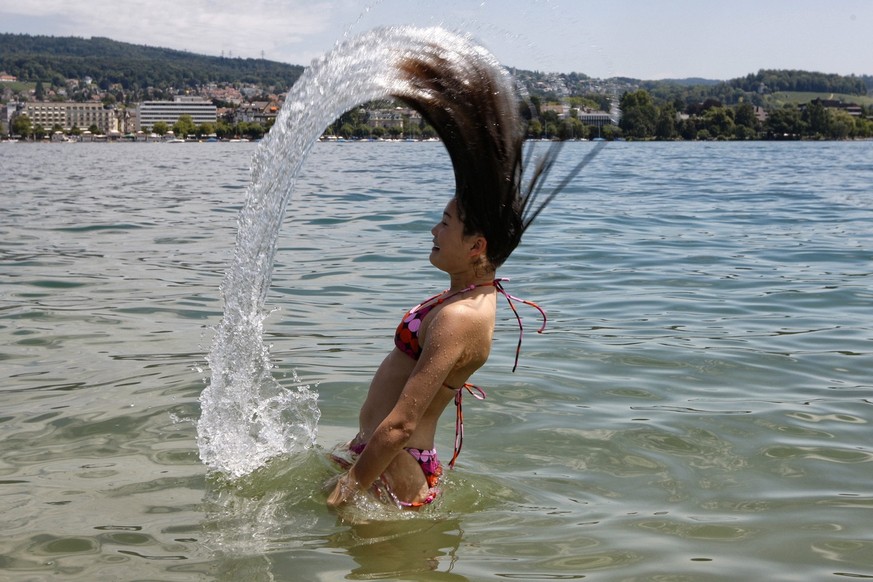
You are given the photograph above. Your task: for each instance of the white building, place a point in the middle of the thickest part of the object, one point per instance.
(70, 114)
(150, 112)
(393, 118)
(595, 118)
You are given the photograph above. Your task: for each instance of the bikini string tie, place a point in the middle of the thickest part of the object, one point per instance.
(478, 394)
(509, 299)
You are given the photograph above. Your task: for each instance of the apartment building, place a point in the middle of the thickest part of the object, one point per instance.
(70, 114)
(150, 112)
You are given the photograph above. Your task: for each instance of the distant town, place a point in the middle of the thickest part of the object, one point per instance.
(244, 112)
(130, 94)
(219, 111)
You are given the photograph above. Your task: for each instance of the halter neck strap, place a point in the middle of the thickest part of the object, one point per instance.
(498, 284)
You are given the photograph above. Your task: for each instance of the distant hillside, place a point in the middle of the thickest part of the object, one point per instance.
(54, 59)
(755, 88)
(144, 72)
(792, 80)
(691, 82)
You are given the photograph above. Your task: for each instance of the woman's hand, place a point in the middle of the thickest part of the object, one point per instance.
(346, 489)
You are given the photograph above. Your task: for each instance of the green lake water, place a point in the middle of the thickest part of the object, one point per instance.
(699, 407)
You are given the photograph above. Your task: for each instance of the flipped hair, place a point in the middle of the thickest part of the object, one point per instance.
(471, 102)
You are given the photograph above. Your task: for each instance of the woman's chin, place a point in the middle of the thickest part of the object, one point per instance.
(433, 257)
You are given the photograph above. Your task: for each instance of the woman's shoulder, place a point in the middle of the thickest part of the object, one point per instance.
(468, 314)
(465, 328)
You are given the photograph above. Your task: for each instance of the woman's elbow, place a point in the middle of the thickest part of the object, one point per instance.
(399, 432)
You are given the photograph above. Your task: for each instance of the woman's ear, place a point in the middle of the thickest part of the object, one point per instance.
(478, 246)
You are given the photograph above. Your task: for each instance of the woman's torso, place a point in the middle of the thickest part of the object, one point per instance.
(396, 368)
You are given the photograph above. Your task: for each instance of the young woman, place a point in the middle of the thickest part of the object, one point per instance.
(470, 101)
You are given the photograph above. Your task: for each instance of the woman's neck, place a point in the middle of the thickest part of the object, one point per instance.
(471, 279)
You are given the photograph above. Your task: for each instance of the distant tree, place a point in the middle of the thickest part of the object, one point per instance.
(719, 122)
(185, 126)
(550, 117)
(746, 123)
(744, 114)
(224, 130)
(785, 123)
(254, 131)
(817, 118)
(666, 125)
(239, 129)
(610, 132)
(571, 128)
(161, 127)
(346, 130)
(864, 127)
(711, 103)
(551, 130)
(688, 128)
(395, 132)
(39, 92)
(743, 132)
(21, 125)
(361, 131)
(639, 114)
(206, 129)
(841, 125)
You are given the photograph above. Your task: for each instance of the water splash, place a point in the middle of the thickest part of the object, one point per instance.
(247, 417)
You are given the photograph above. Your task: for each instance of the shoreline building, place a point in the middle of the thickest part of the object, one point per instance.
(596, 118)
(70, 114)
(148, 113)
(397, 120)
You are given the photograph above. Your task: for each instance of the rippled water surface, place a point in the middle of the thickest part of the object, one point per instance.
(699, 408)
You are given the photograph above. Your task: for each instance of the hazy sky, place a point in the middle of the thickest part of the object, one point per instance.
(646, 39)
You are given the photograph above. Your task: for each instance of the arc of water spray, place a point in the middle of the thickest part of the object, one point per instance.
(247, 418)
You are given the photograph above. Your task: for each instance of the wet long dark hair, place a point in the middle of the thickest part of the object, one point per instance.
(472, 103)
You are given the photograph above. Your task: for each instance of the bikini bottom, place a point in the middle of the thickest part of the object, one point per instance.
(426, 458)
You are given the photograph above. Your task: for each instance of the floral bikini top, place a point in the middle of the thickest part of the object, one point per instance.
(406, 336)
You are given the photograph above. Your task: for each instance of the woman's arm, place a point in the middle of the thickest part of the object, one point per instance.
(446, 349)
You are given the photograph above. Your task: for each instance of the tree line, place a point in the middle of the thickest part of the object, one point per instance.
(642, 118)
(794, 80)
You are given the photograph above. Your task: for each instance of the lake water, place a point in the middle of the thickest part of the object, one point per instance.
(699, 408)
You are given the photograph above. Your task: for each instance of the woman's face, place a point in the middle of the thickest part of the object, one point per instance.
(451, 249)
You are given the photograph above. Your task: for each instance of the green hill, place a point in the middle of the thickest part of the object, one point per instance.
(793, 80)
(135, 68)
